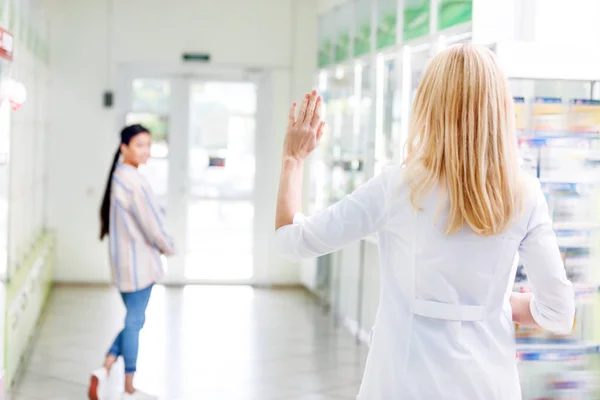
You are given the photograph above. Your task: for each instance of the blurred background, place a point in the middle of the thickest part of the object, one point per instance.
(213, 81)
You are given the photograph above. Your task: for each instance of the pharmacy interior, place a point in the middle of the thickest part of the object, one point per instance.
(371, 56)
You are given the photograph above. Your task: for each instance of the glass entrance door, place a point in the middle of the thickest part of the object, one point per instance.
(202, 169)
(220, 217)
(150, 106)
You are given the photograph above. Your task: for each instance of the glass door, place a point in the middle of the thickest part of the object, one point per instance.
(202, 169)
(149, 104)
(220, 207)
(150, 108)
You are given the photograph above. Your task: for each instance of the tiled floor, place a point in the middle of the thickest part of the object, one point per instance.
(222, 343)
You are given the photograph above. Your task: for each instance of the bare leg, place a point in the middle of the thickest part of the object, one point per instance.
(129, 383)
(109, 361)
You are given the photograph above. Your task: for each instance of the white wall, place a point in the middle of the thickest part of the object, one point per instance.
(575, 21)
(326, 5)
(88, 47)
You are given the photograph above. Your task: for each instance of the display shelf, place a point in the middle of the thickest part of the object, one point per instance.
(561, 187)
(555, 138)
(575, 226)
(558, 131)
(559, 145)
(558, 352)
(583, 291)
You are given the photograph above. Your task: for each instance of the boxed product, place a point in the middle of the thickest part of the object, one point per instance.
(548, 114)
(520, 114)
(568, 161)
(584, 116)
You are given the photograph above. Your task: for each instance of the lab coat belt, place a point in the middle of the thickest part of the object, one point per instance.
(447, 311)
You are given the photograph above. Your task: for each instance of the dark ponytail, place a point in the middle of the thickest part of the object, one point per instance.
(105, 209)
(126, 135)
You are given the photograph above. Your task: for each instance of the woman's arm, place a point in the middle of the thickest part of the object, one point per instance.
(521, 309)
(552, 303)
(302, 136)
(354, 217)
(289, 199)
(146, 213)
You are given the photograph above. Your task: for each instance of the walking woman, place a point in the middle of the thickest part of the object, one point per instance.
(131, 219)
(452, 224)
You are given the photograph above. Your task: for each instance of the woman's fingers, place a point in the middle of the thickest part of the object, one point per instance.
(292, 117)
(316, 119)
(303, 108)
(311, 108)
(320, 130)
(305, 131)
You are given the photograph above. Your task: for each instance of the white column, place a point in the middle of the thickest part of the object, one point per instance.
(273, 98)
(178, 184)
(433, 16)
(406, 85)
(573, 21)
(303, 62)
(494, 20)
(525, 13)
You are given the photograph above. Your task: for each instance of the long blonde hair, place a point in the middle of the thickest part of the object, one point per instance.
(462, 137)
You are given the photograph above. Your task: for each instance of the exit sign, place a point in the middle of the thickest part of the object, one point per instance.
(202, 57)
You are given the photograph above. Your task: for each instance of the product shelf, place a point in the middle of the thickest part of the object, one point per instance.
(542, 139)
(558, 352)
(583, 291)
(559, 141)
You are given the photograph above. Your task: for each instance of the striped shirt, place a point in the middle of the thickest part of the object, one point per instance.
(136, 233)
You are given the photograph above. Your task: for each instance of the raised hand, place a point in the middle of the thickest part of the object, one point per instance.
(304, 132)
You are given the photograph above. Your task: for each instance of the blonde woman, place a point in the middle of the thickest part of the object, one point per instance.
(452, 223)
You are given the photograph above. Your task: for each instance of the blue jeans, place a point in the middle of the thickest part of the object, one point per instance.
(127, 342)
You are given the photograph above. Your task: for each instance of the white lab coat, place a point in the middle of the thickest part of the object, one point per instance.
(444, 327)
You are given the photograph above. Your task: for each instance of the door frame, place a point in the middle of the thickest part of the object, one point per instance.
(181, 77)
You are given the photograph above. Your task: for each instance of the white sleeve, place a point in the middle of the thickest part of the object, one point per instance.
(553, 302)
(356, 216)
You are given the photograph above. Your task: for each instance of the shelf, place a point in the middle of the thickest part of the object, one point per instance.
(565, 187)
(557, 134)
(585, 181)
(541, 139)
(575, 227)
(567, 242)
(559, 352)
(535, 341)
(582, 291)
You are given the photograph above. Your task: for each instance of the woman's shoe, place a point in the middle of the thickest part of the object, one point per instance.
(97, 385)
(137, 395)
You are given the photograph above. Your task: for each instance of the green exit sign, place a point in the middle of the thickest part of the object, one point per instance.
(202, 57)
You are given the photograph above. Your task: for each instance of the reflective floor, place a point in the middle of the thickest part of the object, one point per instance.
(215, 227)
(222, 343)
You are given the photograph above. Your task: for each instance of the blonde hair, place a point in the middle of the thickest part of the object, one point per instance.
(462, 137)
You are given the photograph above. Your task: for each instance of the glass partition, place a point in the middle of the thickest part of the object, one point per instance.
(150, 107)
(388, 139)
(340, 108)
(320, 160)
